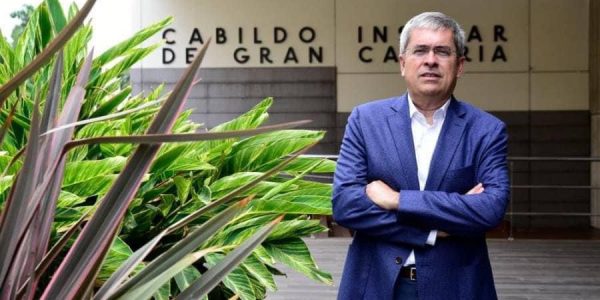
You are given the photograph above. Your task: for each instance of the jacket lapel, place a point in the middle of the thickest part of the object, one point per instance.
(450, 137)
(399, 123)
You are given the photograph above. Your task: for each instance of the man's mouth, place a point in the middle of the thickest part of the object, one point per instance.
(430, 75)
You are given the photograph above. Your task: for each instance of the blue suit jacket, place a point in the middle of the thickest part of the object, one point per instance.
(378, 145)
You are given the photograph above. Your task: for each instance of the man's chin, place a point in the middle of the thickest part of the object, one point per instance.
(432, 92)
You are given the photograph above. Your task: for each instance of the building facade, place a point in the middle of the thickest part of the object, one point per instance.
(532, 63)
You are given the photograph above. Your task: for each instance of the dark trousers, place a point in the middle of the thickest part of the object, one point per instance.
(406, 289)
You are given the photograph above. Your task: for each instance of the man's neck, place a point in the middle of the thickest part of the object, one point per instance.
(428, 106)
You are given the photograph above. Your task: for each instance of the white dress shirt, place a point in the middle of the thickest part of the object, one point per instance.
(425, 138)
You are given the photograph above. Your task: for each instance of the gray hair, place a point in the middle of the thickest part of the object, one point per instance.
(434, 21)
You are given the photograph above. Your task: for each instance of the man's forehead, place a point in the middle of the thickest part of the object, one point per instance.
(427, 36)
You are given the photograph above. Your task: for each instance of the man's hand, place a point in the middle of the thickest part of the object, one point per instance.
(475, 190)
(478, 189)
(383, 195)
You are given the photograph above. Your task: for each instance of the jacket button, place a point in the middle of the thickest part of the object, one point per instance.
(398, 260)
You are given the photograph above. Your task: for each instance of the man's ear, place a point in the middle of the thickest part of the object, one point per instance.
(401, 62)
(460, 66)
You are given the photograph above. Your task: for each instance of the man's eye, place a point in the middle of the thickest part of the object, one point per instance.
(420, 51)
(442, 51)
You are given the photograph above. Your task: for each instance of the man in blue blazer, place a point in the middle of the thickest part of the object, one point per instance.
(420, 179)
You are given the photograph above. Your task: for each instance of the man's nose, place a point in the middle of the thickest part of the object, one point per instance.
(430, 59)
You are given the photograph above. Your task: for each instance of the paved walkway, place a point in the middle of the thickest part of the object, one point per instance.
(523, 269)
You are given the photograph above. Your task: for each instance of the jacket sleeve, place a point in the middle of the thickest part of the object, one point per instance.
(465, 215)
(351, 206)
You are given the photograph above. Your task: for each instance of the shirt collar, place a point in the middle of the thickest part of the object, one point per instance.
(440, 113)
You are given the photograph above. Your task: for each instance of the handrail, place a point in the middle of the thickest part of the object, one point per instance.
(554, 158)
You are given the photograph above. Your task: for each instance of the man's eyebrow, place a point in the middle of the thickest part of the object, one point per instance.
(429, 45)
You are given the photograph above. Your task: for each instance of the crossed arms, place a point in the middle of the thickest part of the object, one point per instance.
(407, 216)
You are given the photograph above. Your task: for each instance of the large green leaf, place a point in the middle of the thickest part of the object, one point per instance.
(295, 228)
(130, 58)
(112, 102)
(151, 286)
(294, 253)
(164, 292)
(183, 186)
(66, 199)
(255, 266)
(94, 129)
(229, 183)
(261, 152)
(112, 74)
(190, 164)
(130, 43)
(243, 227)
(26, 48)
(126, 267)
(73, 54)
(180, 158)
(144, 218)
(81, 171)
(302, 163)
(7, 58)
(305, 204)
(5, 183)
(66, 214)
(98, 185)
(185, 278)
(69, 217)
(289, 184)
(238, 280)
(57, 15)
(315, 201)
(266, 259)
(307, 184)
(7, 122)
(259, 289)
(246, 221)
(45, 32)
(5, 159)
(119, 252)
(250, 119)
(19, 120)
(214, 275)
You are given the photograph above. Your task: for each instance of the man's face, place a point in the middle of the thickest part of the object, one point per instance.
(426, 68)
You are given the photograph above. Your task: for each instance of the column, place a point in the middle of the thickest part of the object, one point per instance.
(595, 106)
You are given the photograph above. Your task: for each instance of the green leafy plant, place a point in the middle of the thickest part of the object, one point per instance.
(78, 195)
(22, 15)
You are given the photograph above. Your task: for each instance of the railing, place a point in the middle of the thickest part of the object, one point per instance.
(511, 213)
(512, 160)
